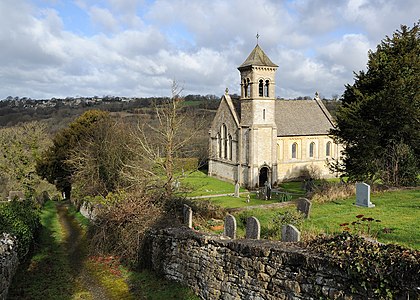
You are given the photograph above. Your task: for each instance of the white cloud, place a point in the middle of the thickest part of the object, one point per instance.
(140, 46)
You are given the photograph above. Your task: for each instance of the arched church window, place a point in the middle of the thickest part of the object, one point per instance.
(261, 88)
(266, 88)
(245, 89)
(248, 88)
(219, 146)
(224, 141)
(294, 150)
(328, 149)
(230, 147)
(311, 149)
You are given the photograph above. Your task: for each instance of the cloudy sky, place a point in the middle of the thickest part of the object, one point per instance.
(59, 48)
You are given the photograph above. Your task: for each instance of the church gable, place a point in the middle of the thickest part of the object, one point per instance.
(226, 114)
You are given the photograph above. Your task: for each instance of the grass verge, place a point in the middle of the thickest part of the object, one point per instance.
(47, 274)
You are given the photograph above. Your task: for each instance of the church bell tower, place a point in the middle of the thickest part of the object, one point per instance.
(258, 127)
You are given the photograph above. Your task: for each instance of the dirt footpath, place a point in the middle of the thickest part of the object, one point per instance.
(75, 245)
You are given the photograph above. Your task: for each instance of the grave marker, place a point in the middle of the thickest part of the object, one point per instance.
(363, 195)
(290, 233)
(230, 227)
(236, 190)
(253, 228)
(304, 206)
(187, 215)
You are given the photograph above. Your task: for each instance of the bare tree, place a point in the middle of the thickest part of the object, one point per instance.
(159, 144)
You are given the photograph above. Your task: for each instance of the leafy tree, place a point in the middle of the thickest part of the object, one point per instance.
(379, 120)
(20, 147)
(99, 159)
(54, 164)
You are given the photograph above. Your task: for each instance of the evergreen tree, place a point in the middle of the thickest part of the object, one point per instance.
(379, 120)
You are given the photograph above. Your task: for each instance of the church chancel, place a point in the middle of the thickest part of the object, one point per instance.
(256, 138)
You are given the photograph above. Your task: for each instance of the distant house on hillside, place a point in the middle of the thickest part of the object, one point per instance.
(257, 138)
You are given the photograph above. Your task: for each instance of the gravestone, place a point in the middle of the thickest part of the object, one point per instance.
(304, 206)
(230, 227)
(187, 216)
(19, 195)
(247, 198)
(363, 195)
(237, 190)
(290, 233)
(253, 228)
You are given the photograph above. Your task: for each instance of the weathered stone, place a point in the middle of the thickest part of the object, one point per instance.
(236, 190)
(304, 206)
(230, 226)
(290, 233)
(187, 216)
(363, 195)
(253, 228)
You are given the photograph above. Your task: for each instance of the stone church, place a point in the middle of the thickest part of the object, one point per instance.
(256, 138)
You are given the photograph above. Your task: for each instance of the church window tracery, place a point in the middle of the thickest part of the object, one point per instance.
(263, 114)
(294, 150)
(224, 142)
(328, 149)
(266, 88)
(261, 88)
(230, 144)
(311, 149)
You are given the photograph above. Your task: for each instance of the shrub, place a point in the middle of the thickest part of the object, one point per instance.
(292, 217)
(384, 270)
(330, 191)
(21, 219)
(121, 224)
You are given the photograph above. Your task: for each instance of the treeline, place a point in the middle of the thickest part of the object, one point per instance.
(60, 112)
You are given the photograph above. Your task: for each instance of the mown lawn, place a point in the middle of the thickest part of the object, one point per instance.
(398, 212)
(199, 184)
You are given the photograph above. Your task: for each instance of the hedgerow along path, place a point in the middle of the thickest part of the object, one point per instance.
(60, 268)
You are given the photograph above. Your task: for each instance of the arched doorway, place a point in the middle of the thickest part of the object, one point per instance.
(263, 176)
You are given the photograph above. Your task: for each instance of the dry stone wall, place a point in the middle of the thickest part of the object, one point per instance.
(217, 267)
(8, 262)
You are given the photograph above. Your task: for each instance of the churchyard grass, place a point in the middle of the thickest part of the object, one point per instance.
(398, 212)
(199, 184)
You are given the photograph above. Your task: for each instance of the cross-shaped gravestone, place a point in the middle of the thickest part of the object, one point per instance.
(290, 233)
(304, 206)
(363, 195)
(253, 228)
(187, 215)
(230, 226)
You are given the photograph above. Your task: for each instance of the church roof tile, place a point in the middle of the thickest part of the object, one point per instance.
(257, 58)
(302, 117)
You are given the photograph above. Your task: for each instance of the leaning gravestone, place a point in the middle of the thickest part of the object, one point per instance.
(237, 190)
(363, 195)
(304, 206)
(187, 216)
(19, 195)
(290, 233)
(230, 226)
(253, 228)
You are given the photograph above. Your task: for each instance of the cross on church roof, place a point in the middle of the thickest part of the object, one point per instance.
(257, 36)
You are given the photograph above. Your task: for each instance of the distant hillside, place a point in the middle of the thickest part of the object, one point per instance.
(57, 113)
